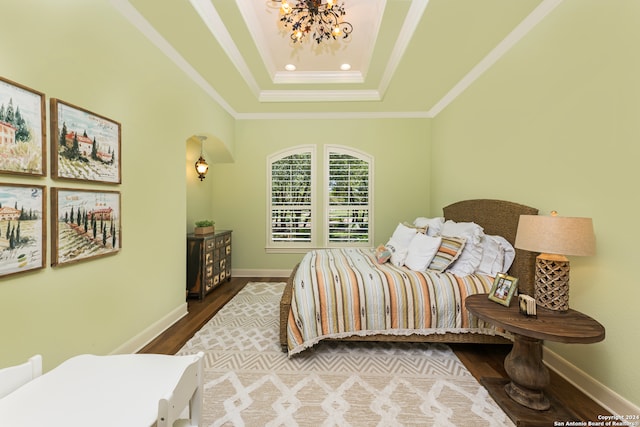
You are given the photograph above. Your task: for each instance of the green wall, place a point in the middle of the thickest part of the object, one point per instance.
(401, 166)
(85, 53)
(554, 124)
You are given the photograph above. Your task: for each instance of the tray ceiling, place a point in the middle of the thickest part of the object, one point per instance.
(408, 58)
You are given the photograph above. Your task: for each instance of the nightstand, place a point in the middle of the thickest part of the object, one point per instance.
(528, 375)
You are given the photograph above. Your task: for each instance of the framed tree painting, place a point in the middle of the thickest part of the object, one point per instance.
(22, 130)
(84, 145)
(85, 224)
(22, 228)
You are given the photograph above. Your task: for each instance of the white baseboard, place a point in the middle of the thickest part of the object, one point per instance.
(245, 272)
(154, 330)
(604, 396)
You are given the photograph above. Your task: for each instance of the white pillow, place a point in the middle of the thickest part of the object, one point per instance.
(398, 253)
(492, 257)
(509, 253)
(398, 244)
(497, 255)
(469, 260)
(434, 225)
(469, 230)
(421, 251)
(402, 236)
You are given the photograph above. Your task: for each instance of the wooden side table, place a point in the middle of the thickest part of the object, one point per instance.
(528, 375)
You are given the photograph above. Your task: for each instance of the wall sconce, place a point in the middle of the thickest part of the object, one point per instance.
(554, 237)
(202, 167)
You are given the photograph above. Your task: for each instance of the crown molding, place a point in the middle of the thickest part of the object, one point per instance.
(318, 95)
(328, 115)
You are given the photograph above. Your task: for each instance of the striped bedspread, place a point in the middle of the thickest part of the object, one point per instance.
(344, 292)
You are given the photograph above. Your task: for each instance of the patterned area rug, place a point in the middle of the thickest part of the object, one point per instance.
(249, 381)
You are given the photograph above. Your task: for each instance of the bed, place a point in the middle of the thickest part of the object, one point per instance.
(353, 280)
(116, 390)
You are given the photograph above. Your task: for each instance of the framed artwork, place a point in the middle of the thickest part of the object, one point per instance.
(84, 145)
(22, 130)
(85, 224)
(503, 289)
(22, 228)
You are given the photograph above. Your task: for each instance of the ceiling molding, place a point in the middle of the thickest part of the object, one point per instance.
(533, 19)
(138, 21)
(214, 23)
(406, 33)
(332, 115)
(318, 95)
(310, 77)
(259, 40)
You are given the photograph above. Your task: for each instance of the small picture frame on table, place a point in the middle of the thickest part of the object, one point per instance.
(503, 289)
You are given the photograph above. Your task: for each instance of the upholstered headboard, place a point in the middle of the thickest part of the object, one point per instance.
(499, 217)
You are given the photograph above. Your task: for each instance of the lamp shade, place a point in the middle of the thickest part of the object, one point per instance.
(556, 235)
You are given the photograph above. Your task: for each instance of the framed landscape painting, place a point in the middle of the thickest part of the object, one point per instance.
(84, 145)
(22, 228)
(22, 130)
(85, 224)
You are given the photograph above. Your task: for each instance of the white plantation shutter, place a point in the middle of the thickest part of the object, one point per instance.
(291, 202)
(349, 197)
(304, 213)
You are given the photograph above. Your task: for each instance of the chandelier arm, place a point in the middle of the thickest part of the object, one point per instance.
(321, 20)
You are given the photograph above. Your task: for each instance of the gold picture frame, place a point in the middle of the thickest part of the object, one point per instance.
(503, 289)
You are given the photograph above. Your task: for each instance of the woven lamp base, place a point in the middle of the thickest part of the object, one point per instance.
(552, 282)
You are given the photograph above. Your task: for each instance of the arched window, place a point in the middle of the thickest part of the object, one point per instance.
(305, 212)
(348, 198)
(291, 204)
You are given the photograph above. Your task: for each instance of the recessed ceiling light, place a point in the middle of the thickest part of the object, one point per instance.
(345, 67)
(290, 67)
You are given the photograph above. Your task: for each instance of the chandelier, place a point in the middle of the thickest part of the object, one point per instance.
(318, 19)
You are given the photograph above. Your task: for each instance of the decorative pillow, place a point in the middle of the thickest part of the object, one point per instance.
(497, 255)
(398, 254)
(383, 254)
(421, 251)
(422, 229)
(402, 236)
(434, 225)
(509, 253)
(471, 256)
(449, 250)
(471, 231)
(492, 257)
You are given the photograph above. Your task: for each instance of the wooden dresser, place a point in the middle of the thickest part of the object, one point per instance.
(208, 262)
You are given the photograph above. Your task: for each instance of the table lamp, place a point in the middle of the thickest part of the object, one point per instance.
(554, 237)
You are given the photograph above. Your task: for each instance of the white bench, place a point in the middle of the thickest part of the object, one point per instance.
(121, 390)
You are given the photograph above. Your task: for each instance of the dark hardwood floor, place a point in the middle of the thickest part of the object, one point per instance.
(480, 360)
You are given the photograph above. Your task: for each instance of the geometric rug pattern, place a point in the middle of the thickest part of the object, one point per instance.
(249, 381)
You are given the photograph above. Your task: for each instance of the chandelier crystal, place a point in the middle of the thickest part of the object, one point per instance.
(319, 19)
